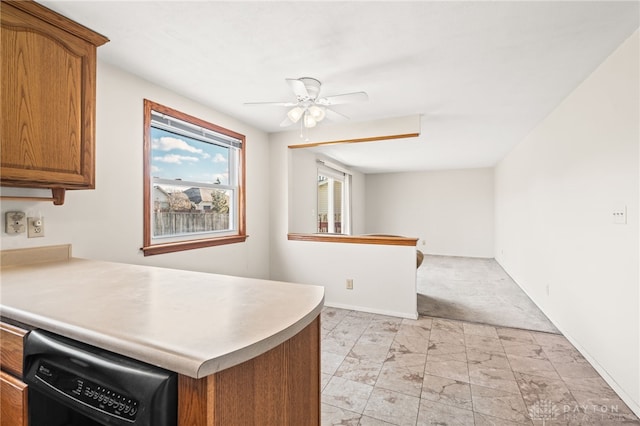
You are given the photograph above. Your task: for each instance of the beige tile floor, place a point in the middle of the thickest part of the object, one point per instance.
(380, 370)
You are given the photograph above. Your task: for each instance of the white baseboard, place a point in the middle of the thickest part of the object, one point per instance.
(373, 310)
(633, 405)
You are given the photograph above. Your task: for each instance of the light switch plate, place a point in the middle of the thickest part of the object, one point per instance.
(15, 223)
(36, 227)
(620, 215)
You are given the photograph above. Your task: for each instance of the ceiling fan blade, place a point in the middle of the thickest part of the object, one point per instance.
(343, 99)
(283, 104)
(298, 88)
(335, 115)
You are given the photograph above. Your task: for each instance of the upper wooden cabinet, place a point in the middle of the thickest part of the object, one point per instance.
(48, 99)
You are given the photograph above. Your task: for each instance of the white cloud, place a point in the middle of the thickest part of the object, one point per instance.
(175, 159)
(167, 144)
(219, 158)
(155, 169)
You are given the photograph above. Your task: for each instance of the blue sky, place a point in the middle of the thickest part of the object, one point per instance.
(178, 157)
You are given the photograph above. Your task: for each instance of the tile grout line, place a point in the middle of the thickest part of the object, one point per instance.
(526, 407)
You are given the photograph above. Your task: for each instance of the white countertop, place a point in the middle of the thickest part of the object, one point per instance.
(192, 323)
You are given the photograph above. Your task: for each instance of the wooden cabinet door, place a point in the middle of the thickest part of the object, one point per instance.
(48, 100)
(11, 344)
(13, 401)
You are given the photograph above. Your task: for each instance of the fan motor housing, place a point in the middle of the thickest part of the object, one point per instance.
(312, 85)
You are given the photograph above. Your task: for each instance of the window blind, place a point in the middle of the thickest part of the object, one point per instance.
(182, 128)
(332, 170)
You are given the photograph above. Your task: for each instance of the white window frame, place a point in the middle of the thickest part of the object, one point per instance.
(336, 173)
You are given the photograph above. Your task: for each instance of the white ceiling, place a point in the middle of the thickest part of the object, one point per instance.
(481, 74)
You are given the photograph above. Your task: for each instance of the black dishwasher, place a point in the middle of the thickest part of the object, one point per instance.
(74, 384)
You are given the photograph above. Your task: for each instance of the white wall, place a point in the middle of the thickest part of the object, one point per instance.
(451, 211)
(358, 203)
(303, 195)
(106, 223)
(384, 276)
(555, 195)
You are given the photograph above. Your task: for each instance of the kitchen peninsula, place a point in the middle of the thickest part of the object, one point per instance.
(247, 351)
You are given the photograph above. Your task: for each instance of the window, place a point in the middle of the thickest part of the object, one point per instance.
(333, 200)
(193, 182)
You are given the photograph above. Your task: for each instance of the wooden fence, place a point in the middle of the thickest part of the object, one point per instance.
(173, 223)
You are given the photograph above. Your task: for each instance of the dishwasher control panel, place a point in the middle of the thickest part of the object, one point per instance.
(74, 384)
(88, 392)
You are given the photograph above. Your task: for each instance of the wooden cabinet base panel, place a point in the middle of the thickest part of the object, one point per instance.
(57, 196)
(280, 387)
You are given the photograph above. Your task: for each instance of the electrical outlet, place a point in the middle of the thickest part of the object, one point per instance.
(349, 284)
(36, 227)
(15, 222)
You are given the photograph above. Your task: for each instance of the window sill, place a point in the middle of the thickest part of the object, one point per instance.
(355, 239)
(192, 244)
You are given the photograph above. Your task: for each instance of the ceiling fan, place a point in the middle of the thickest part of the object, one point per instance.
(309, 106)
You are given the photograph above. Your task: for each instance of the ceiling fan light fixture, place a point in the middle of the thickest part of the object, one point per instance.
(295, 113)
(309, 108)
(309, 121)
(317, 113)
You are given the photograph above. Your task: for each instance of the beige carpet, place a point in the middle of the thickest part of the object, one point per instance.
(476, 290)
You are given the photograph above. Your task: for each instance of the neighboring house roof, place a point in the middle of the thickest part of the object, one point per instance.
(158, 193)
(198, 195)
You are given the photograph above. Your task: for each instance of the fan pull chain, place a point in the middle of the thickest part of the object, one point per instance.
(304, 131)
